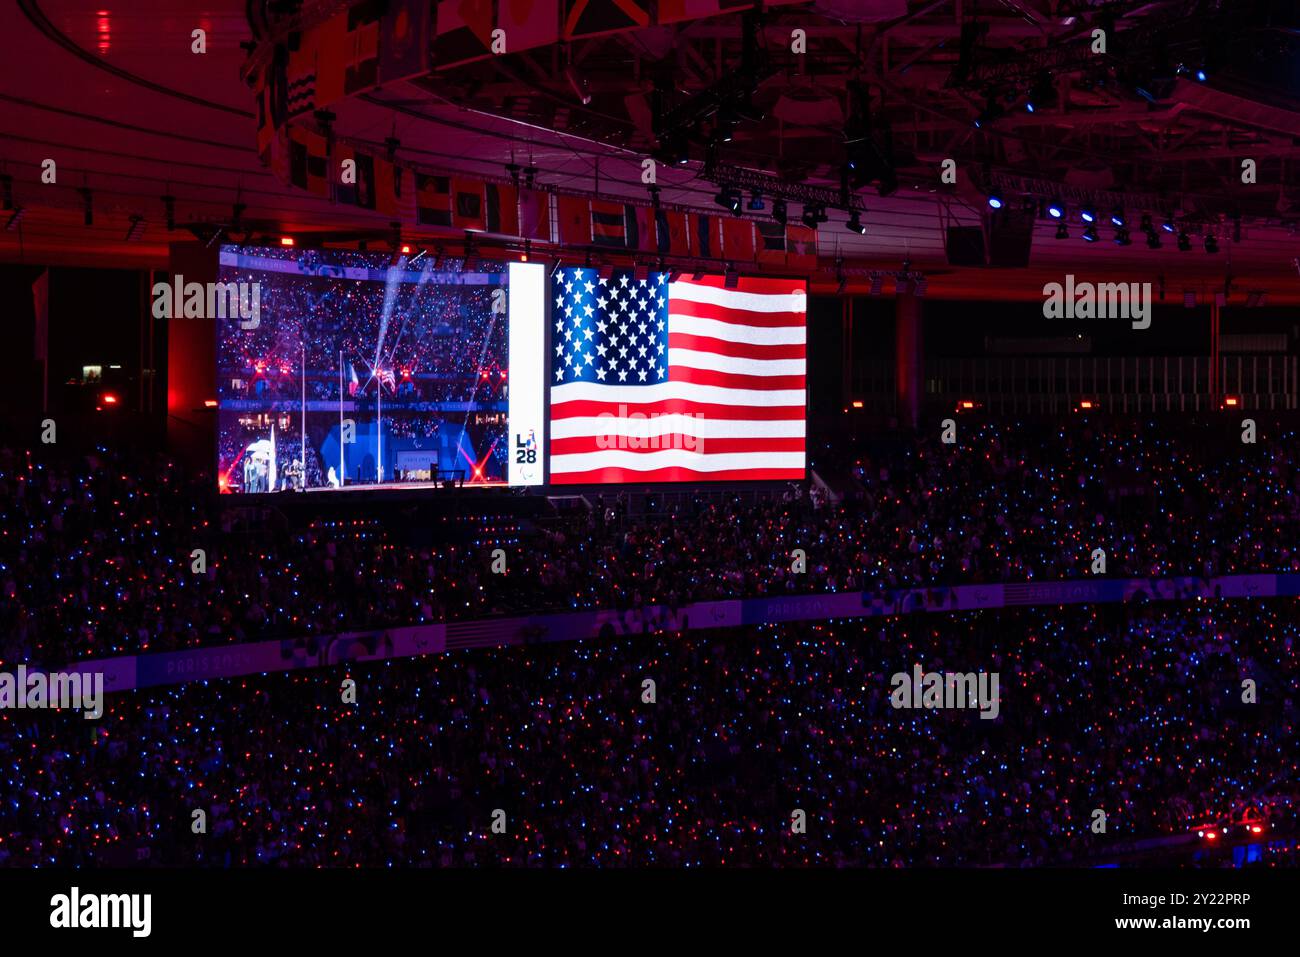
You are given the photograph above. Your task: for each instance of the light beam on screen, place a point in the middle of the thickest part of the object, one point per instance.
(527, 337)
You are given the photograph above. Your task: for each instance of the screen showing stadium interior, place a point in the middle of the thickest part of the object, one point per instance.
(358, 369)
(691, 379)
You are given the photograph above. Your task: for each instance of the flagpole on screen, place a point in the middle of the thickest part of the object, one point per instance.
(379, 430)
(342, 470)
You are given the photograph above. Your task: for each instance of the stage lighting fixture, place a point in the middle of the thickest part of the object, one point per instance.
(1122, 237)
(995, 201)
(1184, 241)
(1056, 209)
(1090, 234)
(1211, 243)
(755, 204)
(15, 218)
(1117, 217)
(286, 240)
(528, 248)
(578, 84)
(729, 199)
(1153, 239)
(779, 211)
(810, 217)
(136, 229)
(1168, 225)
(855, 223)
(1202, 76)
(1087, 214)
(1062, 231)
(1146, 223)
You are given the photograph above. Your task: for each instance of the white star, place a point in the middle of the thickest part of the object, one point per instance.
(603, 281)
(600, 325)
(568, 335)
(641, 373)
(589, 286)
(661, 373)
(559, 301)
(568, 360)
(641, 351)
(568, 287)
(660, 347)
(587, 309)
(644, 283)
(559, 375)
(559, 326)
(559, 350)
(600, 303)
(663, 278)
(588, 358)
(600, 373)
(624, 279)
(622, 351)
(588, 333)
(600, 349)
(641, 328)
(622, 375)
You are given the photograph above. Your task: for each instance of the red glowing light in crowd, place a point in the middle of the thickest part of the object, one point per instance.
(1085, 404)
(210, 403)
(1212, 835)
(1230, 401)
(405, 250)
(110, 399)
(857, 403)
(286, 240)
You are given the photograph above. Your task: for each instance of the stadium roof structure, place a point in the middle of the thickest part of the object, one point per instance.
(860, 99)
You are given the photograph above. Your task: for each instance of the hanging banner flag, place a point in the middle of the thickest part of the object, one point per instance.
(671, 236)
(463, 32)
(644, 235)
(535, 215)
(801, 246)
(502, 209)
(404, 40)
(307, 161)
(362, 65)
(331, 41)
(432, 200)
(467, 204)
(575, 220)
(738, 240)
(703, 243)
(771, 242)
(300, 76)
(613, 224)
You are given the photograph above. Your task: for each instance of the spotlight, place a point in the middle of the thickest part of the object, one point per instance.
(1062, 231)
(578, 84)
(811, 216)
(1168, 225)
(729, 199)
(1056, 209)
(779, 211)
(1122, 237)
(286, 240)
(1090, 234)
(855, 223)
(1202, 76)
(995, 201)
(1087, 214)
(1153, 240)
(755, 204)
(1146, 223)
(1184, 241)
(1117, 217)
(1211, 243)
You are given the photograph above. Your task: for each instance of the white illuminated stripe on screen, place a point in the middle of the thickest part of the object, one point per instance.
(526, 405)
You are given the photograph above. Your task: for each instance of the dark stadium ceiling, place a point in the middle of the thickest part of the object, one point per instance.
(113, 93)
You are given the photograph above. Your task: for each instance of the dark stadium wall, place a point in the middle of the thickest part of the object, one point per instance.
(190, 375)
(21, 418)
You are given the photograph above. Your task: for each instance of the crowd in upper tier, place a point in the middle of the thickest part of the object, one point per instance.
(96, 552)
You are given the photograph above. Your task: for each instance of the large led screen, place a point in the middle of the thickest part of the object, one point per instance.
(358, 369)
(685, 380)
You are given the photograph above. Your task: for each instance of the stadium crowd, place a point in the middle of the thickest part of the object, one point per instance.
(1121, 709)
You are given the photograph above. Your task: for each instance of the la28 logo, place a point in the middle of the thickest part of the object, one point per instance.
(526, 450)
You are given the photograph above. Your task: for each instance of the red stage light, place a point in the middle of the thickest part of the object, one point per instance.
(286, 240)
(210, 403)
(110, 399)
(857, 403)
(405, 250)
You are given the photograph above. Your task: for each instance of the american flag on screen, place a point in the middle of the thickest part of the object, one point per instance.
(659, 381)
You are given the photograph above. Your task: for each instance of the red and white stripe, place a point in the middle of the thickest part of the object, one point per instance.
(733, 406)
